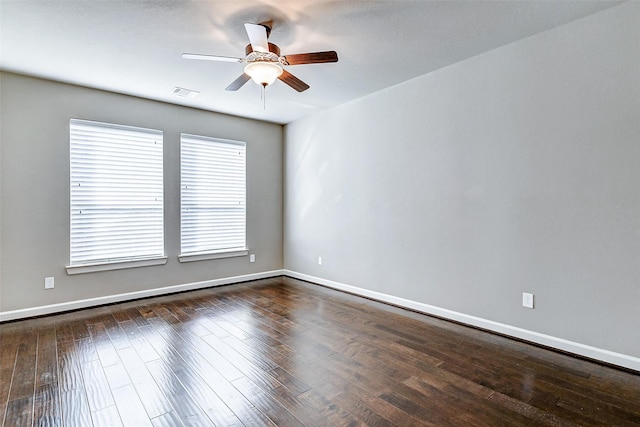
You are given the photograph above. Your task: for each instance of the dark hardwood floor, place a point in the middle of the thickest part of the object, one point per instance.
(287, 353)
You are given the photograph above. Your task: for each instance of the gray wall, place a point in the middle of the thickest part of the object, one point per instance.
(514, 171)
(35, 191)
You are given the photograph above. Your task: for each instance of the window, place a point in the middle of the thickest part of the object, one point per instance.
(213, 191)
(116, 197)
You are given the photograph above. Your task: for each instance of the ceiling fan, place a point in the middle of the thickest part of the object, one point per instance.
(264, 63)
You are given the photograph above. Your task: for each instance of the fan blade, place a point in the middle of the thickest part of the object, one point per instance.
(293, 81)
(238, 83)
(211, 57)
(258, 37)
(311, 58)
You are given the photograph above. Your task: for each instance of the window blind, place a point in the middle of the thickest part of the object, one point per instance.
(213, 191)
(116, 193)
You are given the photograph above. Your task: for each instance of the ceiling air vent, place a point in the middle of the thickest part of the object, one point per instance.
(185, 93)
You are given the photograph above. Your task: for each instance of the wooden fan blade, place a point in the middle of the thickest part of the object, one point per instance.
(238, 83)
(293, 81)
(311, 58)
(258, 37)
(211, 57)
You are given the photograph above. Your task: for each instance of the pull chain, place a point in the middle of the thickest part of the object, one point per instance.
(264, 96)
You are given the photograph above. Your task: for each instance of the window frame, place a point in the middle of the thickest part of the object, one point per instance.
(154, 256)
(213, 253)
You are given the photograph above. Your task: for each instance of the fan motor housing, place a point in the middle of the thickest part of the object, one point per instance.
(272, 48)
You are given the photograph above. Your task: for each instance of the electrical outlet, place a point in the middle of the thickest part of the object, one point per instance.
(319, 260)
(252, 258)
(527, 300)
(49, 282)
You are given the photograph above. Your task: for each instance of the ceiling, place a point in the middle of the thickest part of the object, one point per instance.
(134, 47)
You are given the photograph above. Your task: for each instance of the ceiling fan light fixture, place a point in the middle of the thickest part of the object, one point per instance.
(263, 73)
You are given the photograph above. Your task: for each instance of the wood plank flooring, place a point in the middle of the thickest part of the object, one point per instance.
(281, 352)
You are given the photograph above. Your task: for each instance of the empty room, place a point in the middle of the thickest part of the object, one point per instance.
(319, 213)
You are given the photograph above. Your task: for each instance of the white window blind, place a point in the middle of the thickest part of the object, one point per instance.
(213, 190)
(116, 193)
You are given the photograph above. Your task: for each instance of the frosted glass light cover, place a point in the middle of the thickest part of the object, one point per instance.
(263, 72)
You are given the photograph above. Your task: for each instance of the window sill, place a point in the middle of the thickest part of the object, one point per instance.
(213, 255)
(92, 268)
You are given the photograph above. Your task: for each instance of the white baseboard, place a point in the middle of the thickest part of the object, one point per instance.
(595, 353)
(92, 302)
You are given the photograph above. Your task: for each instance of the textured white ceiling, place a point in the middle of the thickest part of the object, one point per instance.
(134, 46)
